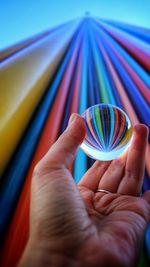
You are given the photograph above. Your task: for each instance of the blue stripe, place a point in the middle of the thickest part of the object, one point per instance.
(80, 165)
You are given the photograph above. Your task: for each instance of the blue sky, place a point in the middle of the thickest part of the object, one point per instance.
(20, 19)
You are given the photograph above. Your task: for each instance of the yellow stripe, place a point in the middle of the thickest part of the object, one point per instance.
(23, 80)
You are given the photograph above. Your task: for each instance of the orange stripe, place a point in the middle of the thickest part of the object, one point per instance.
(116, 127)
(120, 129)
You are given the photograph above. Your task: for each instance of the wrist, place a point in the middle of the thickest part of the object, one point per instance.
(40, 253)
(37, 254)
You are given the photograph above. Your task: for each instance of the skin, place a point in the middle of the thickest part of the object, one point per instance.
(74, 225)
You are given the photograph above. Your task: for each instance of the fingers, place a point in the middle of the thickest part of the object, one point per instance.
(93, 175)
(135, 164)
(62, 153)
(113, 175)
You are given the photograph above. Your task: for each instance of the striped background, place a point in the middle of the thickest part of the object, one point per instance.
(43, 80)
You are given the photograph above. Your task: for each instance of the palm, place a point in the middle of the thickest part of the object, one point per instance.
(119, 220)
(121, 217)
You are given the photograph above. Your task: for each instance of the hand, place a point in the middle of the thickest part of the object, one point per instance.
(77, 226)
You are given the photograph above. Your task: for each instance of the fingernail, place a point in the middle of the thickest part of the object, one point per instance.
(141, 129)
(72, 118)
(140, 136)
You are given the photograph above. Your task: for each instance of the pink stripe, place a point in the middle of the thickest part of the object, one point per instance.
(124, 99)
(138, 53)
(136, 79)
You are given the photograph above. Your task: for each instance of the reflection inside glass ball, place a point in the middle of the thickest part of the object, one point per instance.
(108, 132)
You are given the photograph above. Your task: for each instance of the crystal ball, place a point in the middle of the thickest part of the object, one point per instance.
(108, 132)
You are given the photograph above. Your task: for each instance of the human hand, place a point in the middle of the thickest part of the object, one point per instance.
(77, 226)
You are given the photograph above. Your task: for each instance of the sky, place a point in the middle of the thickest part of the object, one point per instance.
(20, 19)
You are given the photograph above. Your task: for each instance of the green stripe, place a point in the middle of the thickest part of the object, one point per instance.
(99, 125)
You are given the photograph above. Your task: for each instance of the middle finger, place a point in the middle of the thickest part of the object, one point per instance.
(113, 175)
(92, 177)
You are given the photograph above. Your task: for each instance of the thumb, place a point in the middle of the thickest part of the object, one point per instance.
(62, 153)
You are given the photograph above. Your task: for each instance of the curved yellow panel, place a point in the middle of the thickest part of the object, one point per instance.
(16, 47)
(24, 77)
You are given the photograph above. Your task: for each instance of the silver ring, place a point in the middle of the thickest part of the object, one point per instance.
(103, 191)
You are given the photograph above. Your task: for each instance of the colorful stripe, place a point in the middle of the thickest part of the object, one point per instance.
(67, 69)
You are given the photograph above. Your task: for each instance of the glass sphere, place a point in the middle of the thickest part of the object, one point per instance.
(108, 132)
